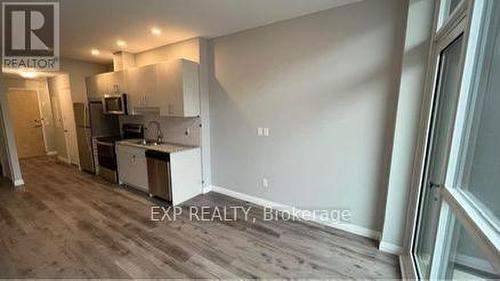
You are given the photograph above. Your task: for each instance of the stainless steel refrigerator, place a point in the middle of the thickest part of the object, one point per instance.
(92, 122)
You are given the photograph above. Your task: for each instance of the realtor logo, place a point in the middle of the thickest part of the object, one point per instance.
(30, 36)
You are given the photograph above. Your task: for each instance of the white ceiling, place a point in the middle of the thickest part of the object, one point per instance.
(87, 24)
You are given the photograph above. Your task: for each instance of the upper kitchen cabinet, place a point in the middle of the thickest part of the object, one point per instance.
(111, 83)
(178, 91)
(141, 86)
(169, 88)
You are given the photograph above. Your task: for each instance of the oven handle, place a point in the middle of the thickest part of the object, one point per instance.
(104, 143)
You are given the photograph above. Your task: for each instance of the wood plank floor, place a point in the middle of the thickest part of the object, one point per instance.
(67, 224)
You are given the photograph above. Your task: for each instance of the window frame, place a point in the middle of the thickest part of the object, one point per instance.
(453, 200)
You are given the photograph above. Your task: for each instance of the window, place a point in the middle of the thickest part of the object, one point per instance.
(479, 153)
(447, 9)
(446, 99)
(457, 230)
(464, 258)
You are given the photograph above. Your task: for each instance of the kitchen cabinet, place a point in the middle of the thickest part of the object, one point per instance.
(177, 90)
(132, 166)
(169, 88)
(141, 88)
(184, 163)
(111, 83)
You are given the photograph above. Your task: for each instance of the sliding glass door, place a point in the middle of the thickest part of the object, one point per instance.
(457, 234)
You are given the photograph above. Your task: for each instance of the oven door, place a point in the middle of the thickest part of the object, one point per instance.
(106, 155)
(115, 104)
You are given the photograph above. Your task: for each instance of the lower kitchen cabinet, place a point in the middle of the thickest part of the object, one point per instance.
(132, 166)
(185, 170)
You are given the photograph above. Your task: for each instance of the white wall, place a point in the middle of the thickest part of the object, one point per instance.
(10, 149)
(325, 84)
(418, 33)
(173, 128)
(4, 161)
(78, 71)
(189, 49)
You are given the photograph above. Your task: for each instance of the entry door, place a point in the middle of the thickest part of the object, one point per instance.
(26, 120)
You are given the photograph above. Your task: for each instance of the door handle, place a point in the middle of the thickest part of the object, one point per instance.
(434, 185)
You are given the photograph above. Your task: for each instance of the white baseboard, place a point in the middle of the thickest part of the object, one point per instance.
(19, 182)
(207, 189)
(351, 228)
(390, 248)
(62, 159)
(51, 153)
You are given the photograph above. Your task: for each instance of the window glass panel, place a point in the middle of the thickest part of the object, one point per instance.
(448, 82)
(480, 152)
(465, 260)
(448, 8)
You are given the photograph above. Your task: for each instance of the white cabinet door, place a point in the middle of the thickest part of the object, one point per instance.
(169, 88)
(141, 87)
(178, 88)
(148, 74)
(123, 161)
(132, 166)
(116, 83)
(190, 88)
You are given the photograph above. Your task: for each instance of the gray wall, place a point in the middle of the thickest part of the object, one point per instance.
(325, 84)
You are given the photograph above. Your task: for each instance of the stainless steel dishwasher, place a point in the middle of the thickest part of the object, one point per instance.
(159, 176)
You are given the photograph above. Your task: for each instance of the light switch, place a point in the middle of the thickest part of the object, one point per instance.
(265, 182)
(259, 131)
(266, 132)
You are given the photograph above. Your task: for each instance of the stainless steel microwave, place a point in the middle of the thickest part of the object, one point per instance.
(115, 104)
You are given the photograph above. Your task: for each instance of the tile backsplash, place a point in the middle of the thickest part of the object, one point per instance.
(181, 130)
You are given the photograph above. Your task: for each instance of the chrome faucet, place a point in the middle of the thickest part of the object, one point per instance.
(159, 136)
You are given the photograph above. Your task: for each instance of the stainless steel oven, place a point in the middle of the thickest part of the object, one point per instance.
(106, 154)
(115, 104)
(106, 158)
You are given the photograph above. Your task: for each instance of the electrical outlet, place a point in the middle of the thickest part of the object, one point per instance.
(265, 183)
(266, 132)
(259, 131)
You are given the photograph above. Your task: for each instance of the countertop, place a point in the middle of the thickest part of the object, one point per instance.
(164, 147)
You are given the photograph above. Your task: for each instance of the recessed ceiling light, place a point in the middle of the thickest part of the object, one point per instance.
(28, 74)
(155, 31)
(95, 52)
(121, 43)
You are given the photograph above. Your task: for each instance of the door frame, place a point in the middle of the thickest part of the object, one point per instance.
(40, 111)
(453, 201)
